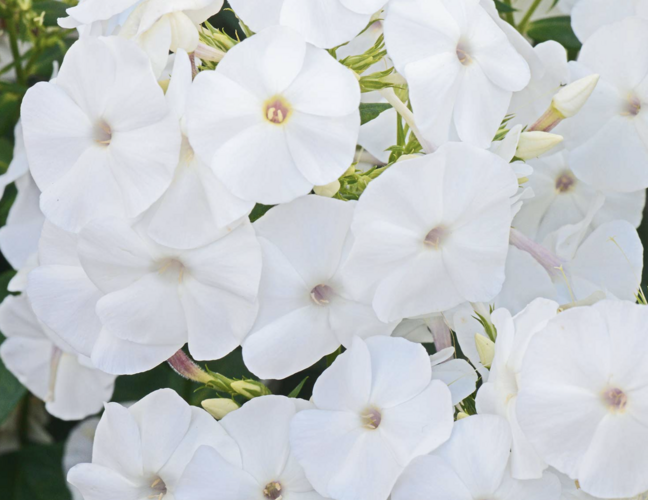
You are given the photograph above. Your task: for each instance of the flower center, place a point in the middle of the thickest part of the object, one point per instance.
(277, 110)
(158, 489)
(633, 106)
(565, 182)
(615, 399)
(102, 133)
(371, 419)
(435, 237)
(462, 54)
(172, 267)
(321, 294)
(273, 490)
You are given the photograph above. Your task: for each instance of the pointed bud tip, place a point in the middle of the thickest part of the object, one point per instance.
(571, 98)
(536, 143)
(485, 349)
(219, 407)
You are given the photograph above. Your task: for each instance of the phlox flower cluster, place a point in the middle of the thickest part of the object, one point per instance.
(406, 188)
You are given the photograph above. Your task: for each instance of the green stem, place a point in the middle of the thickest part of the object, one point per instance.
(509, 15)
(15, 52)
(527, 17)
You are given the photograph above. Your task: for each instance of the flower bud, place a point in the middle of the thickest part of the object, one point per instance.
(571, 98)
(566, 103)
(250, 388)
(534, 144)
(328, 190)
(462, 415)
(485, 349)
(219, 407)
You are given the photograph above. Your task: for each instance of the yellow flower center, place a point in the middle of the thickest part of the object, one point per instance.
(277, 110)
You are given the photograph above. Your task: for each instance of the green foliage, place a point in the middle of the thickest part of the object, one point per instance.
(11, 392)
(371, 111)
(554, 28)
(504, 8)
(33, 473)
(297, 390)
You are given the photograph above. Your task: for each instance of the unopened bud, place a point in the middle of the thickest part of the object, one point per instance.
(328, 190)
(534, 144)
(566, 103)
(461, 415)
(219, 407)
(250, 389)
(571, 98)
(206, 53)
(485, 349)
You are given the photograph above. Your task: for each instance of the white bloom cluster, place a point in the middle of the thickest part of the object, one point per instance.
(432, 177)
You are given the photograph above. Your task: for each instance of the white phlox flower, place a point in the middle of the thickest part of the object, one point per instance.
(499, 395)
(376, 408)
(266, 469)
(70, 385)
(583, 398)
(306, 309)
(156, 299)
(460, 66)
(588, 16)
(416, 228)
(140, 452)
(78, 449)
(533, 100)
(324, 23)
(560, 198)
(578, 261)
(100, 139)
(158, 26)
(457, 374)
(473, 465)
(196, 209)
(277, 117)
(608, 138)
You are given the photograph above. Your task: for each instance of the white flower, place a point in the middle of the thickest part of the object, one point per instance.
(499, 395)
(415, 228)
(305, 307)
(578, 262)
(561, 198)
(472, 465)
(531, 102)
(60, 292)
(457, 374)
(459, 64)
(100, 139)
(142, 451)
(156, 25)
(583, 402)
(325, 24)
(196, 209)
(156, 299)
(266, 470)
(78, 449)
(608, 139)
(71, 387)
(588, 16)
(277, 117)
(376, 409)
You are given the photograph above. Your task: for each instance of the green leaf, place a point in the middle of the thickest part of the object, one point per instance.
(259, 211)
(53, 9)
(12, 392)
(371, 111)
(34, 473)
(554, 28)
(295, 392)
(504, 8)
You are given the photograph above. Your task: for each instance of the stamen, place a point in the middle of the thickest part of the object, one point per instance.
(277, 110)
(322, 294)
(615, 399)
(272, 491)
(565, 182)
(435, 237)
(371, 419)
(462, 54)
(633, 106)
(102, 133)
